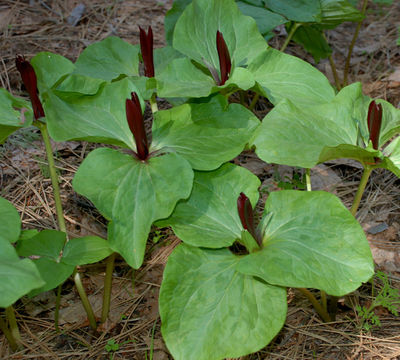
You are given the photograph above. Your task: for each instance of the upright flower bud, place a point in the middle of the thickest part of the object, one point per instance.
(136, 124)
(245, 211)
(224, 58)
(30, 81)
(146, 47)
(374, 121)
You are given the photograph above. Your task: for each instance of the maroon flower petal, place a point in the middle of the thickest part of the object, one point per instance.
(30, 81)
(146, 47)
(374, 123)
(136, 124)
(224, 58)
(245, 211)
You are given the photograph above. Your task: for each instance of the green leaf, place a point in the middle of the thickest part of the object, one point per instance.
(17, 277)
(10, 224)
(282, 76)
(184, 78)
(132, 194)
(312, 39)
(108, 59)
(392, 161)
(307, 135)
(50, 68)
(310, 240)
(299, 10)
(15, 113)
(195, 33)
(209, 217)
(99, 118)
(75, 85)
(172, 16)
(334, 12)
(85, 250)
(206, 134)
(210, 312)
(266, 20)
(53, 273)
(47, 243)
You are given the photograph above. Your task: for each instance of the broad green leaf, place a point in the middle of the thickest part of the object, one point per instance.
(75, 85)
(266, 20)
(46, 248)
(15, 113)
(313, 40)
(196, 29)
(334, 12)
(282, 76)
(299, 10)
(47, 243)
(308, 135)
(108, 59)
(310, 240)
(211, 312)
(209, 217)
(392, 161)
(50, 68)
(85, 250)
(133, 194)
(99, 118)
(10, 224)
(184, 78)
(206, 134)
(172, 16)
(17, 277)
(52, 272)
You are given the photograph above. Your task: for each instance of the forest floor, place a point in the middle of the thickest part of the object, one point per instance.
(133, 328)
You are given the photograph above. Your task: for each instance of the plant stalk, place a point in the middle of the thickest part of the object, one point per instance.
(290, 35)
(254, 101)
(8, 335)
(53, 176)
(107, 287)
(308, 179)
(334, 72)
(84, 299)
(57, 309)
(360, 191)
(153, 103)
(13, 325)
(351, 47)
(317, 306)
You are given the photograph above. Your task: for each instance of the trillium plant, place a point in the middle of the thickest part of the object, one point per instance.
(223, 292)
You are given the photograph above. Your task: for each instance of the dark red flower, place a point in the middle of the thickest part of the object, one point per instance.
(224, 58)
(30, 81)
(146, 47)
(374, 121)
(245, 211)
(136, 124)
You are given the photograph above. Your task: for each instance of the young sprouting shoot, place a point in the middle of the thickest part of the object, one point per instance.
(136, 125)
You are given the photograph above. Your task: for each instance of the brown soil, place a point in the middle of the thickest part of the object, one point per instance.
(28, 27)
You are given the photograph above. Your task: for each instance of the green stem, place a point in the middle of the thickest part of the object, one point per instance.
(53, 176)
(333, 306)
(361, 187)
(107, 287)
(353, 41)
(57, 310)
(153, 103)
(8, 335)
(317, 306)
(308, 179)
(254, 101)
(290, 35)
(84, 299)
(13, 324)
(324, 300)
